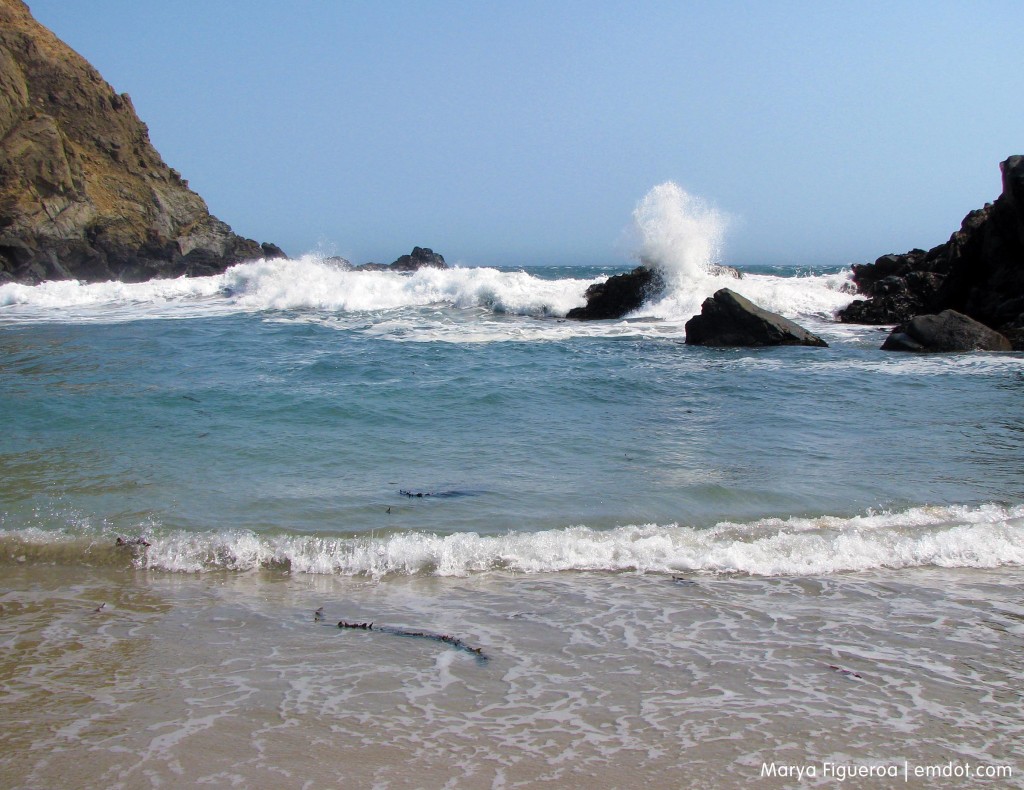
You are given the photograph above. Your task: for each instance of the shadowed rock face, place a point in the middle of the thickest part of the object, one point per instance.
(728, 319)
(947, 331)
(83, 193)
(979, 272)
(619, 295)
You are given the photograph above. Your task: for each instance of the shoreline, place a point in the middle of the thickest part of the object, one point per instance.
(711, 680)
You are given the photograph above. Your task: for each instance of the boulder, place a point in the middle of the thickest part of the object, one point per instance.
(620, 295)
(979, 272)
(83, 193)
(728, 319)
(419, 258)
(947, 331)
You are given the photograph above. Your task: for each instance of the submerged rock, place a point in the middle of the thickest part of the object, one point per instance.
(83, 193)
(728, 319)
(450, 493)
(721, 270)
(947, 331)
(419, 258)
(620, 295)
(979, 272)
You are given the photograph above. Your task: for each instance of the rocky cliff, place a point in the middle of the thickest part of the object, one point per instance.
(83, 193)
(978, 272)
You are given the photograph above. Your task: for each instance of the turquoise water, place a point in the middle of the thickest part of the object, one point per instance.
(683, 566)
(272, 405)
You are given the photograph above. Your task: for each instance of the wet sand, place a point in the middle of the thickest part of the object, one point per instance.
(592, 679)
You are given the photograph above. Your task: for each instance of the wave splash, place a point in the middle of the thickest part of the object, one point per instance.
(682, 235)
(984, 536)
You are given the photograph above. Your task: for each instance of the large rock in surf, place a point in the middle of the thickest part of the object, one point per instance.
(947, 331)
(620, 295)
(420, 257)
(979, 272)
(728, 319)
(83, 193)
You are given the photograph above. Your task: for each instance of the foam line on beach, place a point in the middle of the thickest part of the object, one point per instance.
(983, 536)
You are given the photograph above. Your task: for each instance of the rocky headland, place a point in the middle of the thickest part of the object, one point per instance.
(979, 272)
(83, 193)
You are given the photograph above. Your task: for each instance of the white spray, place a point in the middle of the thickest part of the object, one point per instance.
(679, 233)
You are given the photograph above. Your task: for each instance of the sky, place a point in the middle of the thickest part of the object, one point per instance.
(526, 132)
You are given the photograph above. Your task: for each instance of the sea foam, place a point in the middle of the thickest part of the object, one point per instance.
(309, 283)
(677, 233)
(983, 536)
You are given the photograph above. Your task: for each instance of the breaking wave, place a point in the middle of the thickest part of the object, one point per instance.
(676, 232)
(984, 536)
(308, 283)
(311, 285)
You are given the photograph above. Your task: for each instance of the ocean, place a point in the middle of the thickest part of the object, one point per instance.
(592, 555)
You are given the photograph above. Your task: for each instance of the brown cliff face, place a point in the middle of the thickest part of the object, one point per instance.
(83, 193)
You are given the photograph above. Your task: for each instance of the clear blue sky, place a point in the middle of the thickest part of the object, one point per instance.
(526, 132)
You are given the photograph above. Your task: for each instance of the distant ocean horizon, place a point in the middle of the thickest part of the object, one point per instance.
(654, 562)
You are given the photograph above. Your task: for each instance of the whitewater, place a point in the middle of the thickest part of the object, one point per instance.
(676, 234)
(315, 284)
(676, 561)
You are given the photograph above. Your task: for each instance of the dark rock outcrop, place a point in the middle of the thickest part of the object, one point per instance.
(899, 286)
(947, 331)
(620, 295)
(419, 258)
(728, 319)
(83, 193)
(978, 272)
